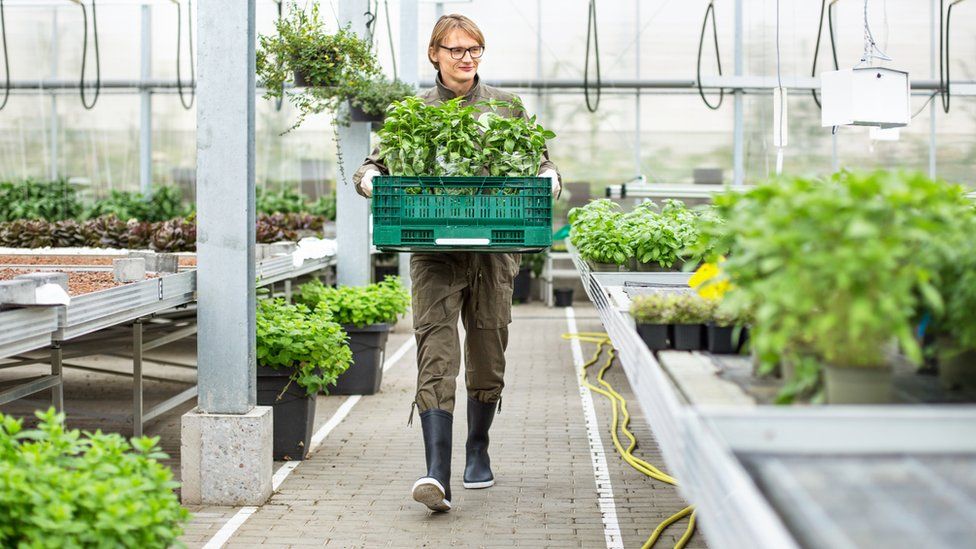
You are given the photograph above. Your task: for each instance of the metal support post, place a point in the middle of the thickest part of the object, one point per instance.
(935, 20)
(57, 391)
(637, 93)
(225, 206)
(137, 377)
(145, 105)
(409, 73)
(352, 211)
(738, 136)
(53, 148)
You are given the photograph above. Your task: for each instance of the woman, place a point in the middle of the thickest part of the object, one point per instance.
(475, 286)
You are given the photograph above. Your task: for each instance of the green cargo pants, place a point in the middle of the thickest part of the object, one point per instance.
(478, 287)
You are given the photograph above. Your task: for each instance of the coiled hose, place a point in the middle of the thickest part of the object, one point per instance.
(603, 341)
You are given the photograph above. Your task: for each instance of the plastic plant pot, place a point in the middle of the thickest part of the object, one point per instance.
(357, 114)
(523, 285)
(858, 385)
(365, 374)
(563, 297)
(689, 337)
(720, 339)
(603, 267)
(293, 412)
(957, 368)
(655, 336)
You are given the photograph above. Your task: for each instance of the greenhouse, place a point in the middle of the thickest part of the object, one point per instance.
(417, 273)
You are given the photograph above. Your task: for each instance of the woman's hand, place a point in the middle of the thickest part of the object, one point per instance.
(366, 183)
(551, 174)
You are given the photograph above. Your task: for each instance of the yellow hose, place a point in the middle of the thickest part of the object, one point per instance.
(602, 340)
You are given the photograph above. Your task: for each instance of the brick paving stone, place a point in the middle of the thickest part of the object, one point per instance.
(354, 491)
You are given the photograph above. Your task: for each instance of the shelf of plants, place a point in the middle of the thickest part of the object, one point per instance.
(764, 475)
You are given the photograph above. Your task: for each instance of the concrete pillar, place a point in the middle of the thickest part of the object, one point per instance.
(352, 211)
(226, 441)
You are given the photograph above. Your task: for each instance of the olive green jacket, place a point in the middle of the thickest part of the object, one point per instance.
(439, 93)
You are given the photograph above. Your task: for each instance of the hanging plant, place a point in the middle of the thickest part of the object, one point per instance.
(324, 68)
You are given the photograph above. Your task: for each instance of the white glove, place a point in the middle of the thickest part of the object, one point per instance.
(551, 174)
(366, 183)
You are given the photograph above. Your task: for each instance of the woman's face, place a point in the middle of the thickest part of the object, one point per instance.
(457, 70)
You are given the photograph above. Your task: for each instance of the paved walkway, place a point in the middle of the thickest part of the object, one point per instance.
(354, 490)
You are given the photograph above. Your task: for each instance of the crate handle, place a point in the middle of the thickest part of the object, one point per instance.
(462, 241)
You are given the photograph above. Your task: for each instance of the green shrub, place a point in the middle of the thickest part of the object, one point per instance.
(309, 342)
(359, 306)
(39, 200)
(283, 201)
(380, 93)
(650, 308)
(166, 202)
(62, 488)
(838, 267)
(324, 206)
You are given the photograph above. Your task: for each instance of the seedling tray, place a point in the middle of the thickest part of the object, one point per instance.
(450, 214)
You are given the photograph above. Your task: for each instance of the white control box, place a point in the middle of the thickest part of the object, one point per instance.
(868, 96)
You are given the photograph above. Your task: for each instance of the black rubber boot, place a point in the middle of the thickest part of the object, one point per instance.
(477, 469)
(434, 490)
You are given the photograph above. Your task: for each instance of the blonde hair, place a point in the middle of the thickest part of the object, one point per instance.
(448, 23)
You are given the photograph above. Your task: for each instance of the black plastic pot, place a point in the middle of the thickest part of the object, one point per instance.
(293, 412)
(689, 337)
(563, 297)
(655, 336)
(381, 272)
(357, 114)
(368, 346)
(523, 285)
(720, 340)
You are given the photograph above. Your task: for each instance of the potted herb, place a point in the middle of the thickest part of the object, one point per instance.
(327, 68)
(597, 234)
(369, 103)
(649, 312)
(300, 352)
(65, 488)
(659, 239)
(366, 314)
(955, 327)
(687, 313)
(842, 265)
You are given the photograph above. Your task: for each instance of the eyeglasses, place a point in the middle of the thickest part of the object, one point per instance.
(458, 53)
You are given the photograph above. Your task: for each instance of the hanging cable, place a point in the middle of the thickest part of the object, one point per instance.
(372, 8)
(84, 55)
(828, 10)
(591, 33)
(179, 42)
(6, 59)
(944, 77)
(389, 34)
(871, 49)
(781, 129)
(710, 10)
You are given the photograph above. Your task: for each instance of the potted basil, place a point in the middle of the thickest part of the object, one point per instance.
(598, 236)
(300, 352)
(652, 325)
(325, 68)
(955, 327)
(366, 313)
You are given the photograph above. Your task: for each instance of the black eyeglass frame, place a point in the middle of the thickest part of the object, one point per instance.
(466, 51)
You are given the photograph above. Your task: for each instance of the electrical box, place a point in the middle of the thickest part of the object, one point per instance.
(867, 96)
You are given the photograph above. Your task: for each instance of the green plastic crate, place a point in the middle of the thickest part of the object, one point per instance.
(449, 214)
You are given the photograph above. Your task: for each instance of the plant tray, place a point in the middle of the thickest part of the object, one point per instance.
(445, 214)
